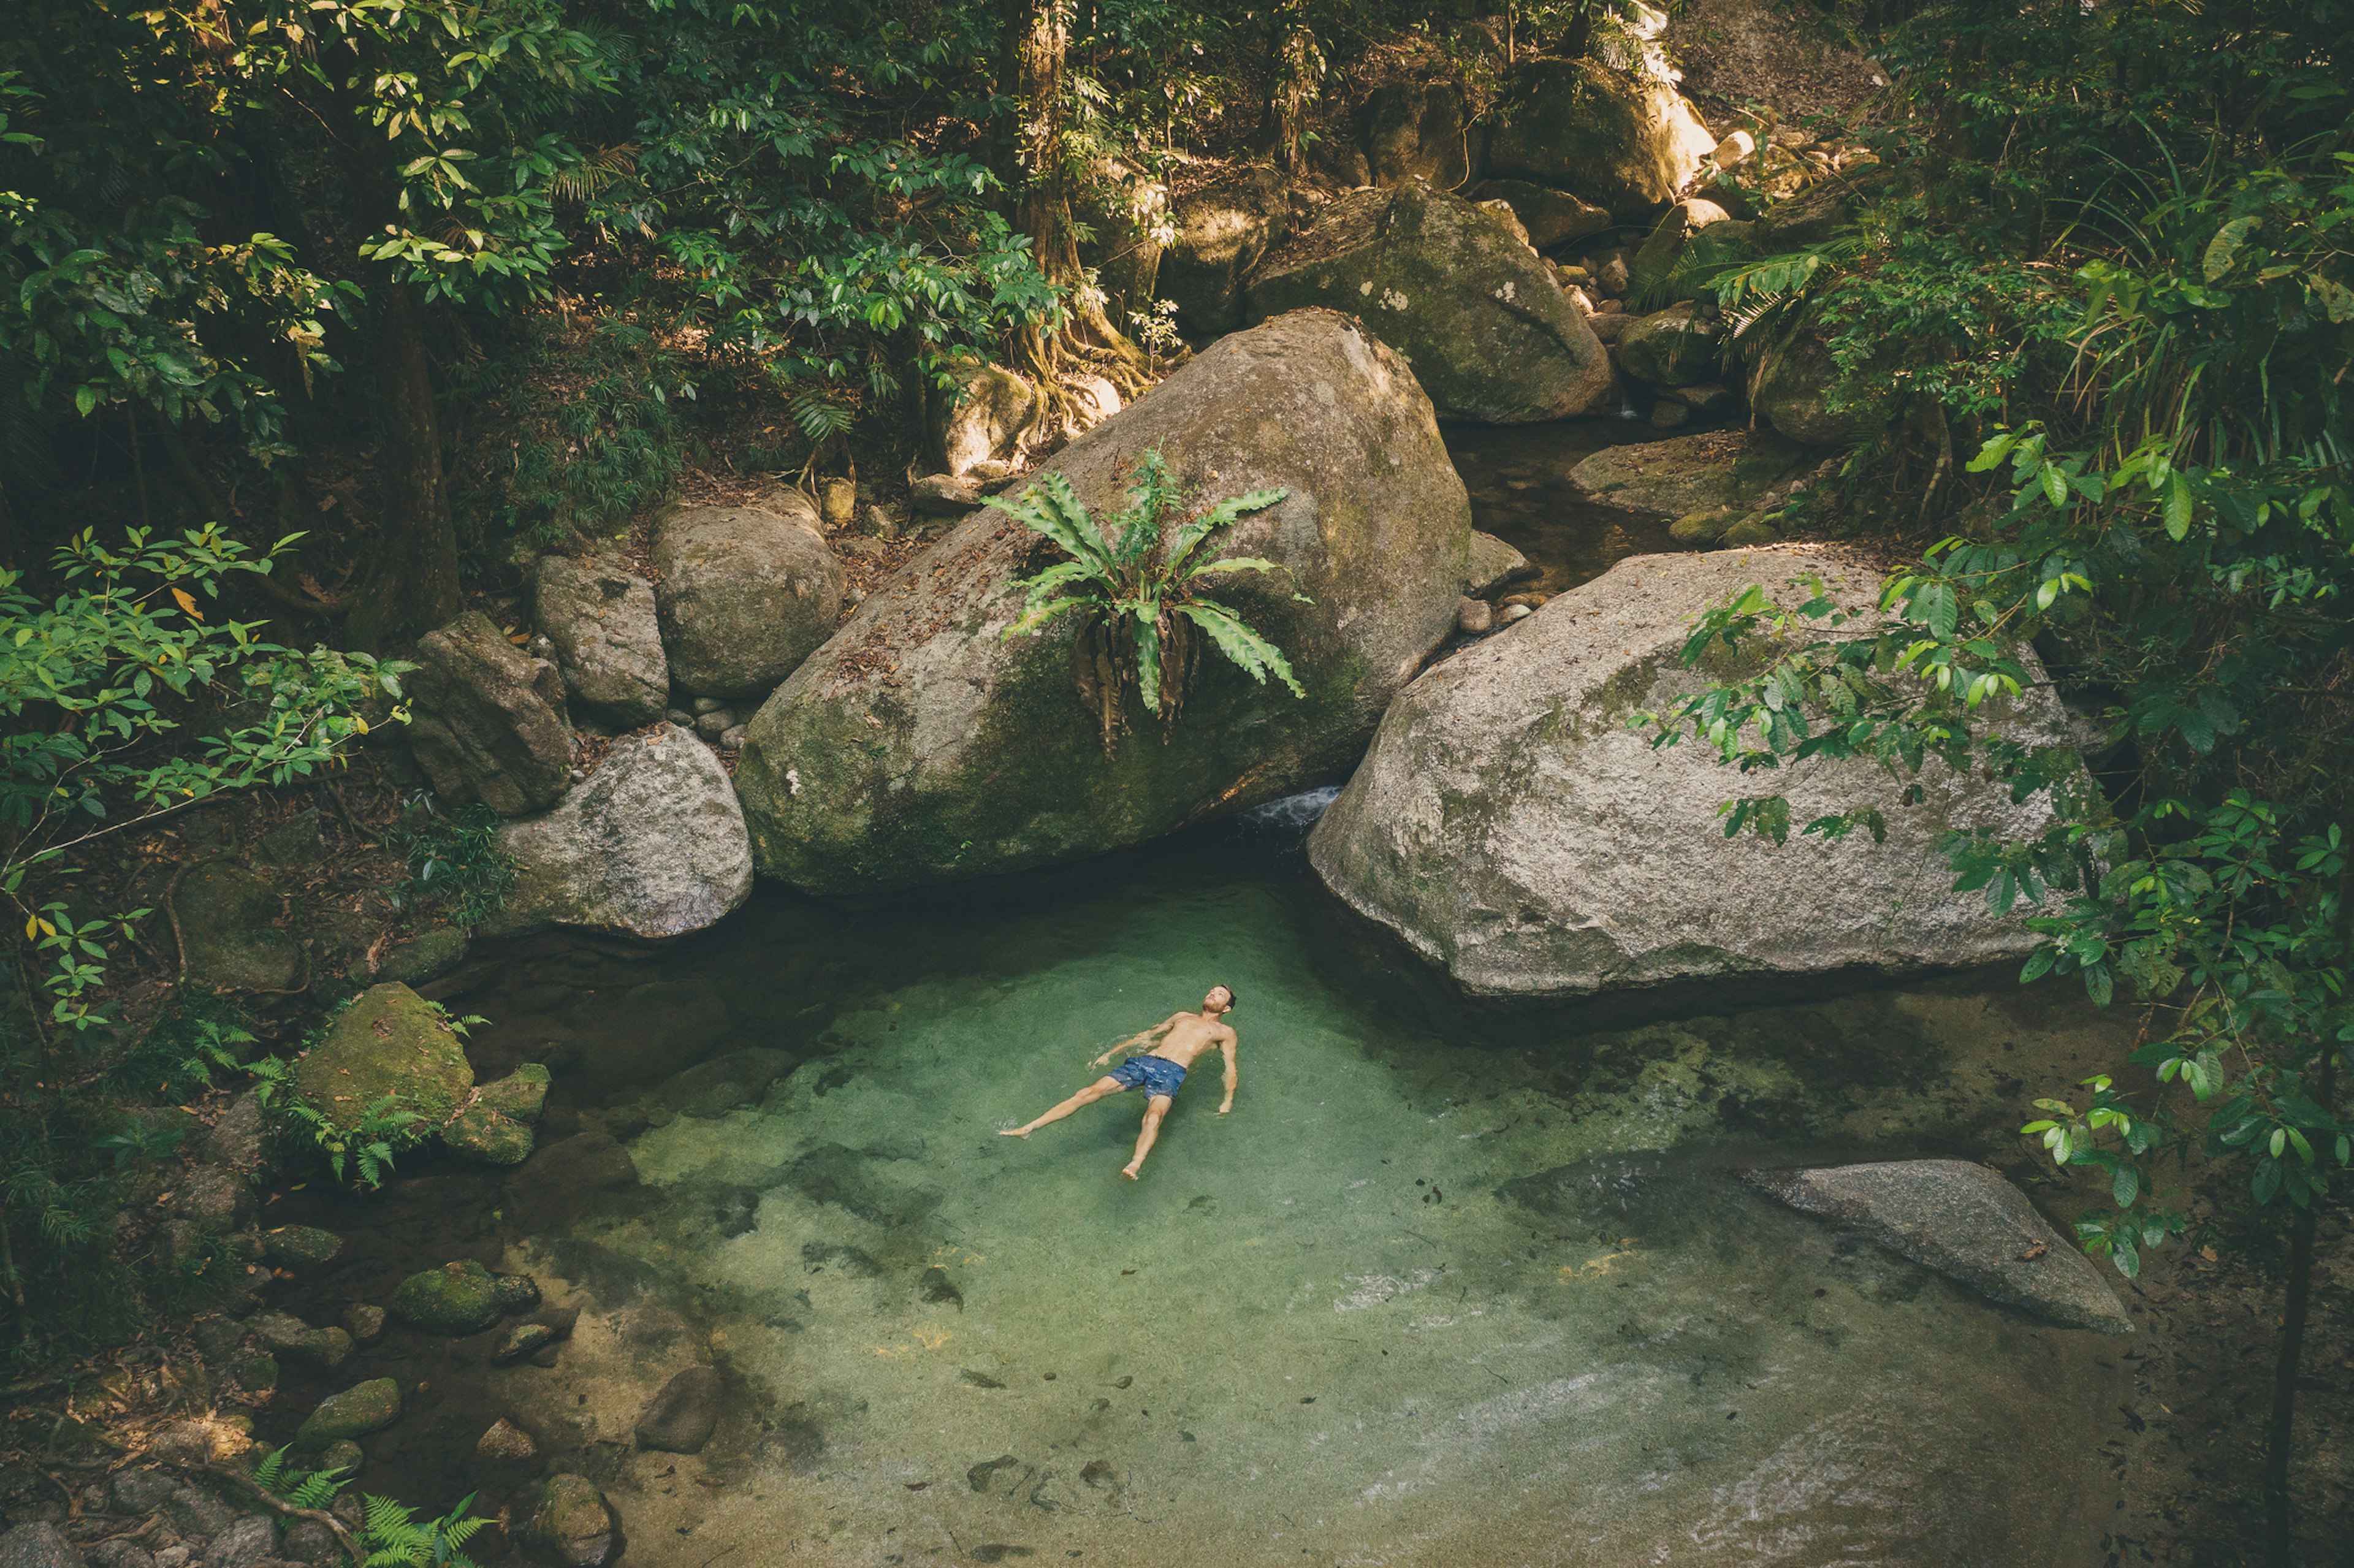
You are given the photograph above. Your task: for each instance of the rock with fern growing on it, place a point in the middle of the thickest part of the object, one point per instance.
(922, 743)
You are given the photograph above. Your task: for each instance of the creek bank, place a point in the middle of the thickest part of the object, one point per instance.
(1510, 826)
(919, 742)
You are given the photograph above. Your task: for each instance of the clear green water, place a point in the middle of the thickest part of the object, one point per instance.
(1441, 1290)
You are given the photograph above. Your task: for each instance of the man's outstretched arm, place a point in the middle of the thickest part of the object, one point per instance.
(1234, 1076)
(1139, 1042)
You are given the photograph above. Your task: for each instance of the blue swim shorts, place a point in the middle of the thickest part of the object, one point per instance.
(1153, 1075)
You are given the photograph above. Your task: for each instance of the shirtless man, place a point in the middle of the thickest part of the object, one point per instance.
(1182, 1037)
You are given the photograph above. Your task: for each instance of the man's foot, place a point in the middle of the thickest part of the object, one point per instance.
(1014, 1132)
(1130, 1171)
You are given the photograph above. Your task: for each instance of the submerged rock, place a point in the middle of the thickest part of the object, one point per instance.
(600, 615)
(683, 1414)
(359, 1410)
(746, 592)
(1481, 320)
(566, 1515)
(1624, 143)
(651, 844)
(921, 744)
(227, 917)
(460, 1298)
(1511, 827)
(1660, 481)
(1967, 1223)
(392, 1043)
(489, 722)
(563, 1178)
(290, 1336)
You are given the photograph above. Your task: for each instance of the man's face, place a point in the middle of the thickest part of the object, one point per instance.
(1218, 1000)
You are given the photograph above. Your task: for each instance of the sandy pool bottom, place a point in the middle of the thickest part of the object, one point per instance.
(1412, 1302)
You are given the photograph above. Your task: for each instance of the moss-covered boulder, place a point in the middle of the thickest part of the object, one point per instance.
(460, 1298)
(496, 1126)
(392, 1043)
(228, 921)
(921, 744)
(1798, 388)
(1674, 347)
(1510, 826)
(746, 593)
(1623, 143)
(1487, 328)
(301, 1246)
(359, 1410)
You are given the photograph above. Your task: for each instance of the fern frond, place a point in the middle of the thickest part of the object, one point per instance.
(1148, 657)
(266, 1473)
(1225, 514)
(1049, 508)
(1253, 654)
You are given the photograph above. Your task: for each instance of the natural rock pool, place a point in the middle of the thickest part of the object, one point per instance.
(1444, 1288)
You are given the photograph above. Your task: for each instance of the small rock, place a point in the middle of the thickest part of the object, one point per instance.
(365, 1323)
(235, 1141)
(246, 1542)
(1735, 150)
(255, 1374)
(308, 1540)
(714, 725)
(38, 1546)
(681, 1417)
(1533, 600)
(1667, 414)
(1512, 613)
(359, 1410)
(879, 524)
(837, 501)
(943, 495)
(732, 740)
(1490, 564)
(523, 1342)
(174, 1557)
(343, 1455)
(1475, 618)
(1701, 398)
(119, 1555)
(703, 705)
(1751, 530)
(680, 717)
(218, 1440)
(329, 1348)
(505, 1441)
(568, 1516)
(301, 1246)
(456, 1298)
(192, 1511)
(139, 1491)
(517, 1292)
(496, 1126)
(1703, 526)
(217, 1338)
(938, 1286)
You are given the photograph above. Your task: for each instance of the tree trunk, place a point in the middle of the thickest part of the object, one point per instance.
(2280, 1427)
(1038, 42)
(1293, 65)
(413, 586)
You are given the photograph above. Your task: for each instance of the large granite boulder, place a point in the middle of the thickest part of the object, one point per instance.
(1418, 132)
(746, 593)
(227, 916)
(487, 722)
(388, 1041)
(650, 845)
(1967, 1223)
(600, 615)
(1489, 331)
(1509, 826)
(1223, 228)
(1626, 143)
(920, 743)
(1659, 481)
(1548, 216)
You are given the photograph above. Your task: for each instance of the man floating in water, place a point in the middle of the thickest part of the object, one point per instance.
(1158, 1072)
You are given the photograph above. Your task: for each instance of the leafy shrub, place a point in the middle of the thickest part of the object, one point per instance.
(455, 861)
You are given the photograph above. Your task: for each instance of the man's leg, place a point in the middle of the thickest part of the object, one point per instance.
(1107, 1085)
(1154, 1110)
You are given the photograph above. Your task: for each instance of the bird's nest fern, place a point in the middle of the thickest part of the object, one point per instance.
(1144, 618)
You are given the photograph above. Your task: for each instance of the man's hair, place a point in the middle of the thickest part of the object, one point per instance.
(1230, 995)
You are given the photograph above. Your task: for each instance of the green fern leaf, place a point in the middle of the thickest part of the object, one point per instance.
(1225, 512)
(1254, 654)
(1147, 658)
(1049, 508)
